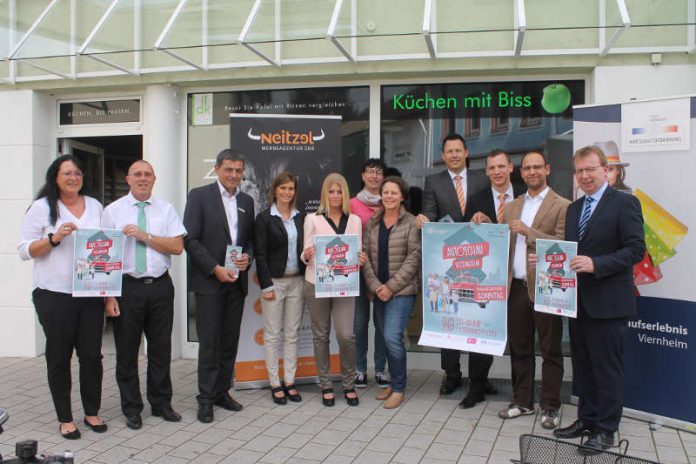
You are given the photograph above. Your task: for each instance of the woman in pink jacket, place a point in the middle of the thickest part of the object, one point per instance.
(332, 218)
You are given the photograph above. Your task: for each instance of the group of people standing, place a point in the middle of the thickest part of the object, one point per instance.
(606, 224)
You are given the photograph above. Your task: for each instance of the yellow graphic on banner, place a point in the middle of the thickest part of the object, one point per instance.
(668, 228)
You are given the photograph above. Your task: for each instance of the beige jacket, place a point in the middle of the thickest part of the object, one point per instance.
(549, 223)
(404, 255)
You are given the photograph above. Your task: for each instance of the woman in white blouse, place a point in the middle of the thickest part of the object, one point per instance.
(68, 323)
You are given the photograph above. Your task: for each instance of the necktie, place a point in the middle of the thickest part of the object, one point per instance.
(501, 198)
(140, 247)
(585, 217)
(460, 192)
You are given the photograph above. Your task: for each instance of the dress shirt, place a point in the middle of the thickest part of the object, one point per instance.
(529, 212)
(162, 221)
(293, 265)
(496, 200)
(596, 197)
(54, 271)
(230, 204)
(454, 181)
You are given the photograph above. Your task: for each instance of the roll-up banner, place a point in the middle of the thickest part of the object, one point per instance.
(309, 147)
(652, 154)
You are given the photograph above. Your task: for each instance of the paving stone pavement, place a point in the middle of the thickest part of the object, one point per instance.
(427, 428)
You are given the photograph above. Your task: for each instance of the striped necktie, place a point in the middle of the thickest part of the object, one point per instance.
(140, 247)
(585, 217)
(501, 199)
(460, 192)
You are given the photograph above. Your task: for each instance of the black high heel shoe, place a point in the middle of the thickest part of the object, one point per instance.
(351, 400)
(295, 398)
(281, 400)
(327, 401)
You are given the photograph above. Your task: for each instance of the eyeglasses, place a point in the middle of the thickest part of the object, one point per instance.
(69, 174)
(532, 167)
(590, 170)
(374, 171)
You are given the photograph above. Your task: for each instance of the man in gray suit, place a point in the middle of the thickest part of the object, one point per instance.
(446, 194)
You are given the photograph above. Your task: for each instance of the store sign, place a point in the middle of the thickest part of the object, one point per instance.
(523, 99)
(99, 112)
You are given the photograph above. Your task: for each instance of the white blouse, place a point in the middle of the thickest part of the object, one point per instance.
(54, 271)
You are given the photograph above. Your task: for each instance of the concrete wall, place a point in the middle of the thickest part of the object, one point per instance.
(26, 148)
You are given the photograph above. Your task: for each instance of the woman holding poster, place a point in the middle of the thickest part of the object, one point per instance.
(393, 246)
(68, 322)
(278, 245)
(333, 217)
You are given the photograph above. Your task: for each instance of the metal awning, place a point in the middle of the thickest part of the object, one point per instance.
(74, 39)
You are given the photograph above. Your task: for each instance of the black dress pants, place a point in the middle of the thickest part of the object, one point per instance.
(72, 323)
(479, 366)
(147, 306)
(218, 320)
(598, 374)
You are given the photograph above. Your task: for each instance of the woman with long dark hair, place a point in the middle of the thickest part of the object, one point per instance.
(69, 323)
(278, 245)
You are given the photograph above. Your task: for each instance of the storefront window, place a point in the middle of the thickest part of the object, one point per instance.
(515, 116)
(209, 132)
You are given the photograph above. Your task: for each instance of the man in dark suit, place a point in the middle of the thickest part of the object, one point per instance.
(445, 194)
(486, 206)
(608, 226)
(218, 215)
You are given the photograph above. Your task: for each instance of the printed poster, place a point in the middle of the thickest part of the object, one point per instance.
(555, 288)
(661, 125)
(465, 286)
(232, 254)
(337, 270)
(97, 262)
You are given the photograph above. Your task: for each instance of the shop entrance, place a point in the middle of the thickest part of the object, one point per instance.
(105, 161)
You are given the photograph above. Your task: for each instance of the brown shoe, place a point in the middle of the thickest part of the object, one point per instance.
(394, 400)
(384, 394)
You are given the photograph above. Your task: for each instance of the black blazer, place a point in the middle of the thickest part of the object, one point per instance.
(208, 235)
(615, 241)
(271, 246)
(440, 196)
(484, 202)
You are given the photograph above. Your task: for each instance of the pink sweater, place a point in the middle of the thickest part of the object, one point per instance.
(364, 211)
(317, 225)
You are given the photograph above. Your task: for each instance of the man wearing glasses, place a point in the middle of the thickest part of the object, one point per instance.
(608, 226)
(540, 213)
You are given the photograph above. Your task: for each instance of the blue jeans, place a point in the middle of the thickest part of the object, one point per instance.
(391, 319)
(360, 324)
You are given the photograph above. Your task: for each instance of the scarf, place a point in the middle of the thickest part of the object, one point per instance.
(369, 198)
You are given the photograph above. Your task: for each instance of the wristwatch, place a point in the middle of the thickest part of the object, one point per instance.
(50, 240)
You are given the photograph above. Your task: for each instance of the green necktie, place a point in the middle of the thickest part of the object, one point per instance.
(140, 247)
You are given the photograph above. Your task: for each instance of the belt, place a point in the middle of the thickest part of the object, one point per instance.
(145, 280)
(519, 281)
(294, 274)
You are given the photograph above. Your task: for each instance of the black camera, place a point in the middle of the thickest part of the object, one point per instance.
(26, 450)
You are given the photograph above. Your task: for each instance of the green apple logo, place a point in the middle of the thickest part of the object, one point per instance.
(556, 98)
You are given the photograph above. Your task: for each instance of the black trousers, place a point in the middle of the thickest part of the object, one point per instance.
(147, 306)
(72, 323)
(479, 366)
(523, 322)
(218, 320)
(598, 374)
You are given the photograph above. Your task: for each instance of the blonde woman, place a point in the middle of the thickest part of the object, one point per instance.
(332, 218)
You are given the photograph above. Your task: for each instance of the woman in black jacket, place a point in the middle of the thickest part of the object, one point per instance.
(278, 244)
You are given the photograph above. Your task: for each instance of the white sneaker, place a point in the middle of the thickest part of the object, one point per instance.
(514, 411)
